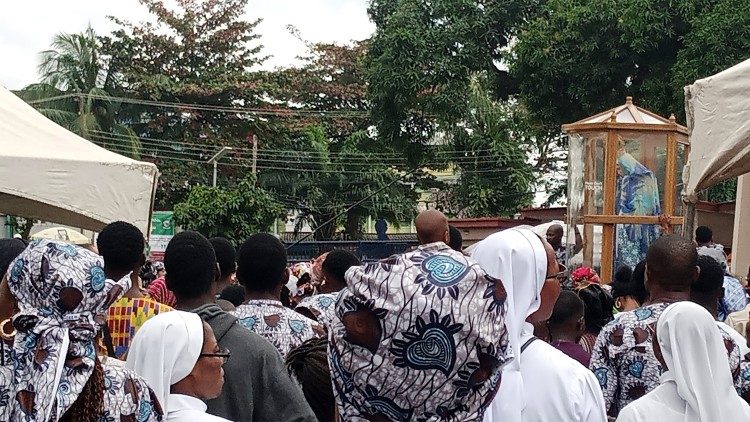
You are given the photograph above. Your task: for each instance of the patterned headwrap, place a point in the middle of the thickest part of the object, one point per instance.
(63, 295)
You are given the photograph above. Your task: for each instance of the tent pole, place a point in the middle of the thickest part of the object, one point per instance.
(687, 228)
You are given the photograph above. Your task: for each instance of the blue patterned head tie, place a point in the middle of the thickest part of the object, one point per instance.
(63, 295)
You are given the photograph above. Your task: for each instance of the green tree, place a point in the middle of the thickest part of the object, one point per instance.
(330, 80)
(421, 59)
(197, 52)
(495, 177)
(234, 213)
(74, 73)
(579, 57)
(332, 159)
(325, 179)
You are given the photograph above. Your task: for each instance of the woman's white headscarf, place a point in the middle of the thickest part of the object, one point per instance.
(697, 364)
(519, 260)
(165, 350)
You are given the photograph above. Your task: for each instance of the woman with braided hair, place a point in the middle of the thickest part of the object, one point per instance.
(308, 364)
(55, 297)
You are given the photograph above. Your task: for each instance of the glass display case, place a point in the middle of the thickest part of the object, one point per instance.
(625, 175)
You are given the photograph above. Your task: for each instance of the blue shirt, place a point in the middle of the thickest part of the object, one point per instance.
(734, 297)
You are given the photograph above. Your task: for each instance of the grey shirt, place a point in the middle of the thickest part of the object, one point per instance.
(257, 386)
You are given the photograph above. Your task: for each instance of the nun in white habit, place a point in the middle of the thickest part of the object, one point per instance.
(177, 354)
(697, 386)
(541, 384)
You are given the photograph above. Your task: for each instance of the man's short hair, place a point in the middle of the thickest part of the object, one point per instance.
(226, 255)
(703, 234)
(456, 241)
(338, 262)
(190, 262)
(568, 306)
(711, 278)
(671, 262)
(261, 263)
(121, 245)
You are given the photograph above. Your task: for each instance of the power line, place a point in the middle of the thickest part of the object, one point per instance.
(300, 157)
(279, 112)
(447, 155)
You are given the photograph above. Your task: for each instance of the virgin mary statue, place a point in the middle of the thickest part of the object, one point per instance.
(638, 195)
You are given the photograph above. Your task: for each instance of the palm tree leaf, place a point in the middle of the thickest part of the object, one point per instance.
(63, 118)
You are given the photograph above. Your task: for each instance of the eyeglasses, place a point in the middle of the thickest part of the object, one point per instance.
(224, 354)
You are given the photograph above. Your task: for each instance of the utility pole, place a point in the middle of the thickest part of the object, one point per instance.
(255, 154)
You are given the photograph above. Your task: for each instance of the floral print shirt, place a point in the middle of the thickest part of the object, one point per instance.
(283, 327)
(418, 337)
(623, 358)
(323, 306)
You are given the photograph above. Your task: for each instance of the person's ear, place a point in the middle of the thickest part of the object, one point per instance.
(217, 272)
(285, 276)
(696, 273)
(447, 236)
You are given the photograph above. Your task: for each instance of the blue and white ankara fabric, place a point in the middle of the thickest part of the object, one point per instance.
(418, 337)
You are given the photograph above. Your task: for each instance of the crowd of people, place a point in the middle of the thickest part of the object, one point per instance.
(505, 333)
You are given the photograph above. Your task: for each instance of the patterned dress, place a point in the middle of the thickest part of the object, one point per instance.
(283, 327)
(125, 317)
(323, 306)
(623, 359)
(418, 337)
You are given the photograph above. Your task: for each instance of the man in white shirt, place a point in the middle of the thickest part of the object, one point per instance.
(708, 290)
(541, 383)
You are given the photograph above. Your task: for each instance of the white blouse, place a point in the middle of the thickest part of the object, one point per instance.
(189, 409)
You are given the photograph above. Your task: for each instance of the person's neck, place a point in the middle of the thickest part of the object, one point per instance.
(711, 304)
(563, 336)
(662, 296)
(262, 295)
(220, 285)
(188, 304)
(134, 292)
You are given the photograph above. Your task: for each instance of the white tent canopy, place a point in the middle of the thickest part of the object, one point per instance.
(718, 117)
(51, 174)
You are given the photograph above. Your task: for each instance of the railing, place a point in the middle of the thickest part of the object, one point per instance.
(366, 250)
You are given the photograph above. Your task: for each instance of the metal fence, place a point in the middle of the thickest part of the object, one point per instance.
(366, 250)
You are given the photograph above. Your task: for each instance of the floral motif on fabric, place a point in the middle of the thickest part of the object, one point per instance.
(63, 296)
(283, 327)
(418, 337)
(623, 358)
(323, 306)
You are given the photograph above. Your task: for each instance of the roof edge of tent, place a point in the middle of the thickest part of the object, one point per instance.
(56, 213)
(70, 135)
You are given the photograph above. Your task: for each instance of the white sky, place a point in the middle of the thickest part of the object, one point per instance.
(27, 27)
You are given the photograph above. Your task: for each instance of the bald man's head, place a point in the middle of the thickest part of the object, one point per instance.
(554, 235)
(432, 226)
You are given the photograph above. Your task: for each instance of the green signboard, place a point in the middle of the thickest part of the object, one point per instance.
(162, 231)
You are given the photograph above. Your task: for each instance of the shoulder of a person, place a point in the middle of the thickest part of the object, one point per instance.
(248, 343)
